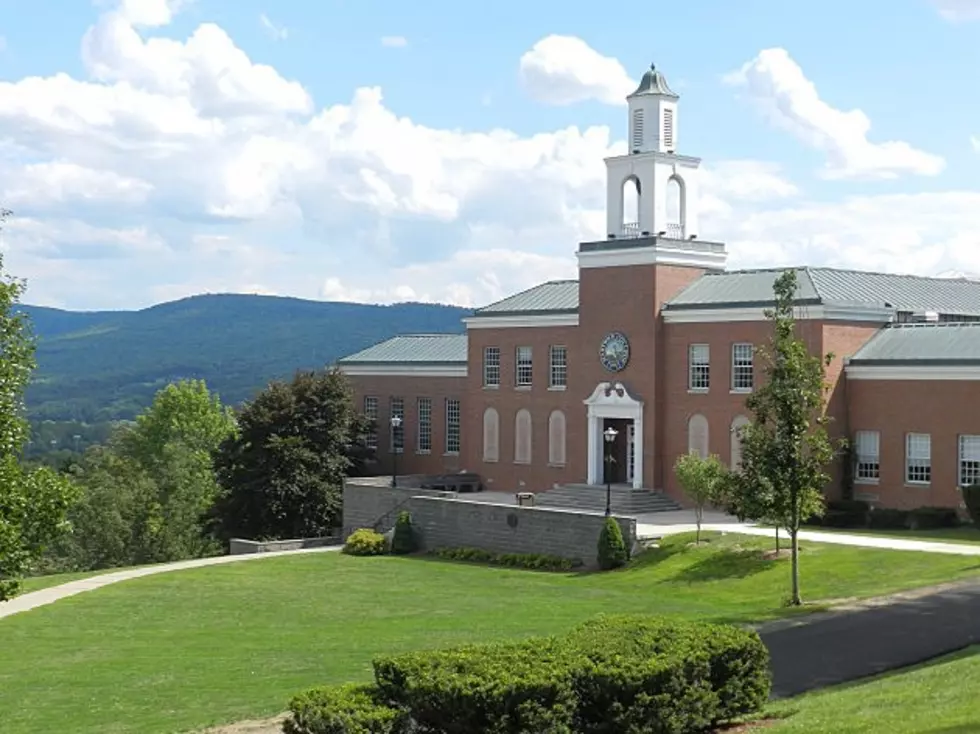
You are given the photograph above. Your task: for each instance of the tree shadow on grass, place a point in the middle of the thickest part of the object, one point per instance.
(725, 564)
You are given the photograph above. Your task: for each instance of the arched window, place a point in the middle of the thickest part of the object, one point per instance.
(697, 435)
(631, 206)
(491, 435)
(522, 437)
(737, 424)
(556, 438)
(675, 207)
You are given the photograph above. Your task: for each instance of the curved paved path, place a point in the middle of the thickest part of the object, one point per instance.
(41, 597)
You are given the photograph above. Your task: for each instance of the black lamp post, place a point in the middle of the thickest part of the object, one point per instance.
(396, 423)
(609, 435)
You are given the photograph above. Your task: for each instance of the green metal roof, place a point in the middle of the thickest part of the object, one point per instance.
(414, 349)
(654, 82)
(950, 343)
(830, 286)
(556, 296)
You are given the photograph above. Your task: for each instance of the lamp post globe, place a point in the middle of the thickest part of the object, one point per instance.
(396, 422)
(609, 435)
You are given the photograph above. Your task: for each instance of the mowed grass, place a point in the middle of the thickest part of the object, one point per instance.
(937, 698)
(184, 650)
(964, 534)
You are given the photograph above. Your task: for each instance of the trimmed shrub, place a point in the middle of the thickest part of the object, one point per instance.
(365, 542)
(644, 675)
(531, 561)
(843, 514)
(348, 709)
(403, 540)
(930, 518)
(971, 498)
(887, 518)
(612, 550)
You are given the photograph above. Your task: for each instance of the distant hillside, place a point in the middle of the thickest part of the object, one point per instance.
(106, 365)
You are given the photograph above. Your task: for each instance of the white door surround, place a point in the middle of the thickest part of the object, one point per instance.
(612, 400)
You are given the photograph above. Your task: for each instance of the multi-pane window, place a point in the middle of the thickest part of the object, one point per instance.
(452, 425)
(742, 373)
(969, 469)
(918, 458)
(559, 366)
(524, 366)
(699, 368)
(491, 366)
(424, 443)
(371, 413)
(397, 410)
(867, 456)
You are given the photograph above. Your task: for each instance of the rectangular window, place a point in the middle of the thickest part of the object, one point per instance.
(559, 366)
(637, 130)
(668, 129)
(918, 458)
(699, 371)
(371, 413)
(491, 366)
(742, 370)
(424, 444)
(969, 460)
(867, 458)
(524, 370)
(397, 409)
(452, 425)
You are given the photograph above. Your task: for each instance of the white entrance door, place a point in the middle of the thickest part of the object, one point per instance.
(630, 452)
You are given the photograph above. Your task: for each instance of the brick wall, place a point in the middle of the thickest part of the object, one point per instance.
(365, 501)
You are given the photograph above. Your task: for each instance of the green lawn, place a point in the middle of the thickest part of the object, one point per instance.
(182, 650)
(36, 583)
(936, 698)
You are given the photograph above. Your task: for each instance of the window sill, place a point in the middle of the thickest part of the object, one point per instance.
(451, 453)
(919, 485)
(491, 387)
(489, 461)
(398, 452)
(423, 452)
(522, 463)
(741, 391)
(556, 466)
(522, 388)
(557, 388)
(868, 482)
(698, 390)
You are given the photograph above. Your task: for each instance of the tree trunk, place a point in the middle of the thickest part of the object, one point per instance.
(777, 541)
(795, 548)
(698, 511)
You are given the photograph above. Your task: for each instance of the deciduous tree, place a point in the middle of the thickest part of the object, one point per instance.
(785, 447)
(282, 476)
(33, 502)
(702, 481)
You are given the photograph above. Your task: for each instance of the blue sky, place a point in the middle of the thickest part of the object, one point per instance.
(381, 151)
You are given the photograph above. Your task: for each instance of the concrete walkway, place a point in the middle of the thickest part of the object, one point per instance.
(41, 597)
(659, 524)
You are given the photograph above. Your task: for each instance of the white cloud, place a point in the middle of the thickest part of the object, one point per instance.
(394, 41)
(778, 85)
(181, 166)
(149, 13)
(975, 143)
(276, 32)
(562, 70)
(958, 11)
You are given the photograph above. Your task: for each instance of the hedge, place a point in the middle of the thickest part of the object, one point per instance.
(638, 674)
(971, 498)
(532, 561)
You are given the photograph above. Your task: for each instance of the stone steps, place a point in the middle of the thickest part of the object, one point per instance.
(592, 498)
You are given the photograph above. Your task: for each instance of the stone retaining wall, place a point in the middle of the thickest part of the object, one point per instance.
(240, 546)
(366, 502)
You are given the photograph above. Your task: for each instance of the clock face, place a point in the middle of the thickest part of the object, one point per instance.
(614, 352)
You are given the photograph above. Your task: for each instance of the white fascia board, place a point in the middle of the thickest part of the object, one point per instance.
(950, 373)
(521, 321)
(654, 255)
(403, 369)
(801, 313)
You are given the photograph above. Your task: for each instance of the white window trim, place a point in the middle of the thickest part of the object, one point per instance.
(961, 441)
(401, 429)
(517, 367)
(910, 439)
(858, 456)
(423, 424)
(552, 385)
(487, 365)
(691, 365)
(751, 367)
(459, 426)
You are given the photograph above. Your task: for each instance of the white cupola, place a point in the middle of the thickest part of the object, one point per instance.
(652, 191)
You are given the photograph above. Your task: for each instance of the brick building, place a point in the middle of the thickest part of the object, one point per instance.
(657, 340)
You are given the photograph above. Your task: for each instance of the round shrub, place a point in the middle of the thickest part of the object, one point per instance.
(365, 542)
(612, 548)
(347, 709)
(404, 541)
